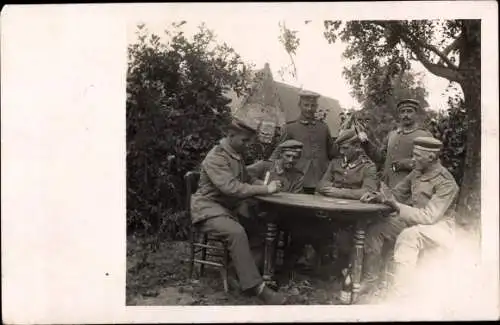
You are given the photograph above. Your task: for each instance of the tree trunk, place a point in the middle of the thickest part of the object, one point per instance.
(469, 202)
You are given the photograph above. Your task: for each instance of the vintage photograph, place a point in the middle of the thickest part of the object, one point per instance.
(314, 162)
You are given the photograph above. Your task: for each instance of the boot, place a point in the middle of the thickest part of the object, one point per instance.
(270, 297)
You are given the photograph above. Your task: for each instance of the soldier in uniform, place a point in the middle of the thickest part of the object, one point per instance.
(351, 175)
(318, 147)
(224, 185)
(395, 155)
(427, 221)
(282, 169)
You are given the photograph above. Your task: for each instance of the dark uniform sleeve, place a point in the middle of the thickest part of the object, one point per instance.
(436, 208)
(258, 169)
(219, 171)
(298, 184)
(376, 153)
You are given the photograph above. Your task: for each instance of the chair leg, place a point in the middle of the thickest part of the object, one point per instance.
(203, 254)
(191, 259)
(226, 269)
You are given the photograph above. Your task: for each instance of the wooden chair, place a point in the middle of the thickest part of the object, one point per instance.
(204, 249)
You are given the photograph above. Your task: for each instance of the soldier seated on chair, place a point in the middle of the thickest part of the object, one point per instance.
(348, 177)
(428, 220)
(283, 169)
(223, 186)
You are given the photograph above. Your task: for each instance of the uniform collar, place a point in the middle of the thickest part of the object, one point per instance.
(355, 163)
(431, 173)
(224, 144)
(305, 121)
(400, 130)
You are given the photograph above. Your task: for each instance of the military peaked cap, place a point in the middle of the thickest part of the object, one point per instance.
(309, 94)
(291, 145)
(427, 144)
(347, 136)
(415, 104)
(240, 125)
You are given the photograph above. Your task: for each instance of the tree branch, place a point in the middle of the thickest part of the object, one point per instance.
(416, 46)
(437, 69)
(415, 43)
(453, 45)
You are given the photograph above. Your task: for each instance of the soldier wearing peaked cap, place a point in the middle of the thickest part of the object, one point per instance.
(349, 176)
(426, 220)
(224, 186)
(395, 153)
(283, 168)
(318, 147)
(352, 174)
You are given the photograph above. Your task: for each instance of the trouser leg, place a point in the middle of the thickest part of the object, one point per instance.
(378, 233)
(409, 245)
(233, 232)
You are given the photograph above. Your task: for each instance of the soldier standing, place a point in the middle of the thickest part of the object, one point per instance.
(318, 146)
(224, 185)
(396, 152)
(427, 221)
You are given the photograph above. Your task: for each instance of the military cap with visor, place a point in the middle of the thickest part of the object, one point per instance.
(308, 94)
(415, 104)
(291, 145)
(427, 144)
(347, 136)
(240, 125)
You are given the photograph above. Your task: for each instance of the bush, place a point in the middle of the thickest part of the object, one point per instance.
(176, 110)
(451, 128)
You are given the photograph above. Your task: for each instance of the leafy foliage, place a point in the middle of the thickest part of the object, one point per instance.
(175, 112)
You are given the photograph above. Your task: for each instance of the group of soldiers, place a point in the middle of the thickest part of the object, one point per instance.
(420, 191)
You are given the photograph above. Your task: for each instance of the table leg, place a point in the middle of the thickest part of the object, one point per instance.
(357, 266)
(269, 249)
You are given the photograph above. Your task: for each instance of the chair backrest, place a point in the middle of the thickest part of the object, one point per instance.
(191, 179)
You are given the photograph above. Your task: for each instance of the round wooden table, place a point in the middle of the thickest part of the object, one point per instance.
(344, 209)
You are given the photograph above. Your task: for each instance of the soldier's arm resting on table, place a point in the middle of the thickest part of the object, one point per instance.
(219, 171)
(369, 185)
(435, 209)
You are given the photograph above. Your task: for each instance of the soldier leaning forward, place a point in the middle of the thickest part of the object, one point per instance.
(224, 185)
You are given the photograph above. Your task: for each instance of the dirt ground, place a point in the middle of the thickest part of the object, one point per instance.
(161, 278)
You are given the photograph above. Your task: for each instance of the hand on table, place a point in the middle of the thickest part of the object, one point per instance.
(371, 197)
(387, 196)
(274, 187)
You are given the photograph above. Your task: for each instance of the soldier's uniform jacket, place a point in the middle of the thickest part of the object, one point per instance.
(353, 179)
(431, 196)
(224, 184)
(318, 148)
(291, 179)
(398, 145)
